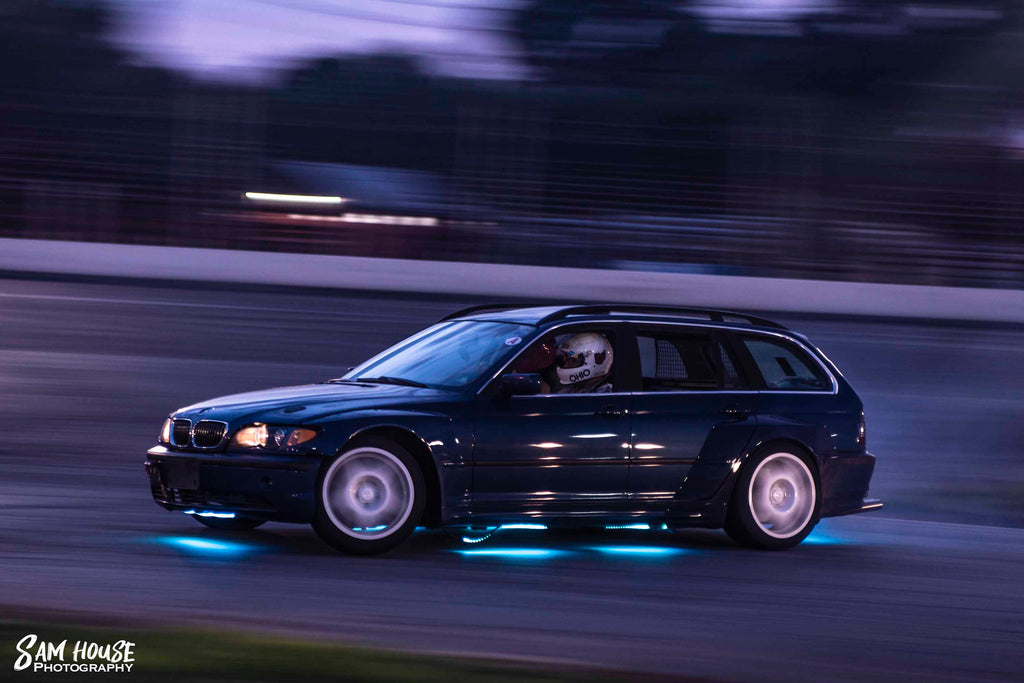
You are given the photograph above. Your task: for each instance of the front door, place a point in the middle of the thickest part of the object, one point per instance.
(555, 452)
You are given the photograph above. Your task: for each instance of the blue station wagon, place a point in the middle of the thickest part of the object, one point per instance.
(562, 416)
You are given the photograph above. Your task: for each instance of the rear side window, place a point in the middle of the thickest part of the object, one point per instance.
(671, 361)
(786, 366)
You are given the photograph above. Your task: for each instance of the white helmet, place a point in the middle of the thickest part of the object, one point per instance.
(583, 357)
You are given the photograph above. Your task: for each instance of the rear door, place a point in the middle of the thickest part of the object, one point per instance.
(694, 405)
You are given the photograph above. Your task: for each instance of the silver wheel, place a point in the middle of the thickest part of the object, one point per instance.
(782, 495)
(368, 493)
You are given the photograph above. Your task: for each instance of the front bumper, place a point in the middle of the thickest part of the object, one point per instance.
(272, 487)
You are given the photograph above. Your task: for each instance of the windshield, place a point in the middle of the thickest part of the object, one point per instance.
(449, 355)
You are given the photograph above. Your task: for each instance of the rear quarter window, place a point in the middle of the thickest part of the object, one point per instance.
(785, 366)
(685, 361)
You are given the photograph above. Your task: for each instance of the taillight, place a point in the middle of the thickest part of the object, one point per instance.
(861, 431)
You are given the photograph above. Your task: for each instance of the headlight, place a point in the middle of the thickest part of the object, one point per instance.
(165, 433)
(260, 435)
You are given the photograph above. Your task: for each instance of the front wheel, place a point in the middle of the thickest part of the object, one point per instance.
(776, 501)
(370, 498)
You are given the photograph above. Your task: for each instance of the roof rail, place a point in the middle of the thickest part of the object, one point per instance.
(485, 307)
(713, 314)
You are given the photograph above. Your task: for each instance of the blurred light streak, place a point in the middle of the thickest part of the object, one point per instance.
(367, 218)
(639, 527)
(291, 198)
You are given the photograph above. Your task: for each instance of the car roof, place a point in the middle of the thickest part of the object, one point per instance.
(541, 315)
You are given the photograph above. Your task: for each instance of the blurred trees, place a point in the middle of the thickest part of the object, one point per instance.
(378, 109)
(835, 142)
(85, 135)
(601, 42)
(44, 41)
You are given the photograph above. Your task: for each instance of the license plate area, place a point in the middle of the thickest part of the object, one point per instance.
(181, 475)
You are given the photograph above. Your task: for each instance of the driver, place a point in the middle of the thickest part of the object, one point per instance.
(539, 359)
(583, 364)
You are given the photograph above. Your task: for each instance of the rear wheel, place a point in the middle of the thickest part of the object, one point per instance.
(370, 498)
(233, 524)
(776, 501)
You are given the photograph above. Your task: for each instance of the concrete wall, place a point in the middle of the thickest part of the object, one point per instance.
(495, 280)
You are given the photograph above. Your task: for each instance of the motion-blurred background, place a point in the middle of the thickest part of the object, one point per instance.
(856, 140)
(862, 142)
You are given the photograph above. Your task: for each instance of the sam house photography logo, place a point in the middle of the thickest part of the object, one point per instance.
(82, 656)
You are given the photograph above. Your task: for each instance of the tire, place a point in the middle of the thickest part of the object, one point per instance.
(776, 501)
(235, 524)
(370, 498)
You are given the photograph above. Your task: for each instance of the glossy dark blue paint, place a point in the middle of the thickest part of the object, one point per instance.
(679, 438)
(569, 459)
(277, 487)
(552, 454)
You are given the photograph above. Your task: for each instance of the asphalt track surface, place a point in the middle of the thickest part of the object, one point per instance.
(928, 589)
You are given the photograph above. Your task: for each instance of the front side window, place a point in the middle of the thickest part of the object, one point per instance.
(685, 361)
(579, 362)
(785, 366)
(450, 355)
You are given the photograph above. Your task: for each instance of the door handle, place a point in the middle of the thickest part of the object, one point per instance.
(610, 411)
(735, 412)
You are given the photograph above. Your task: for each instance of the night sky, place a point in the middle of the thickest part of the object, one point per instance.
(248, 39)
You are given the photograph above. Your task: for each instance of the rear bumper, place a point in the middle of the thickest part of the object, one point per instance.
(844, 485)
(866, 505)
(276, 488)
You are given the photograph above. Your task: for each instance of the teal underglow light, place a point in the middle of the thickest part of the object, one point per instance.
(205, 546)
(513, 527)
(511, 553)
(824, 534)
(637, 527)
(820, 538)
(478, 539)
(217, 515)
(638, 550)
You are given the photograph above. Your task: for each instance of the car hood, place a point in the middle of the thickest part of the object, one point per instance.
(301, 404)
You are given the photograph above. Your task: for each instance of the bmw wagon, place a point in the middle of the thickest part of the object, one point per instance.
(561, 416)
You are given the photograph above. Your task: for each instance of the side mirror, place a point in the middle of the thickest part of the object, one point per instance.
(521, 384)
